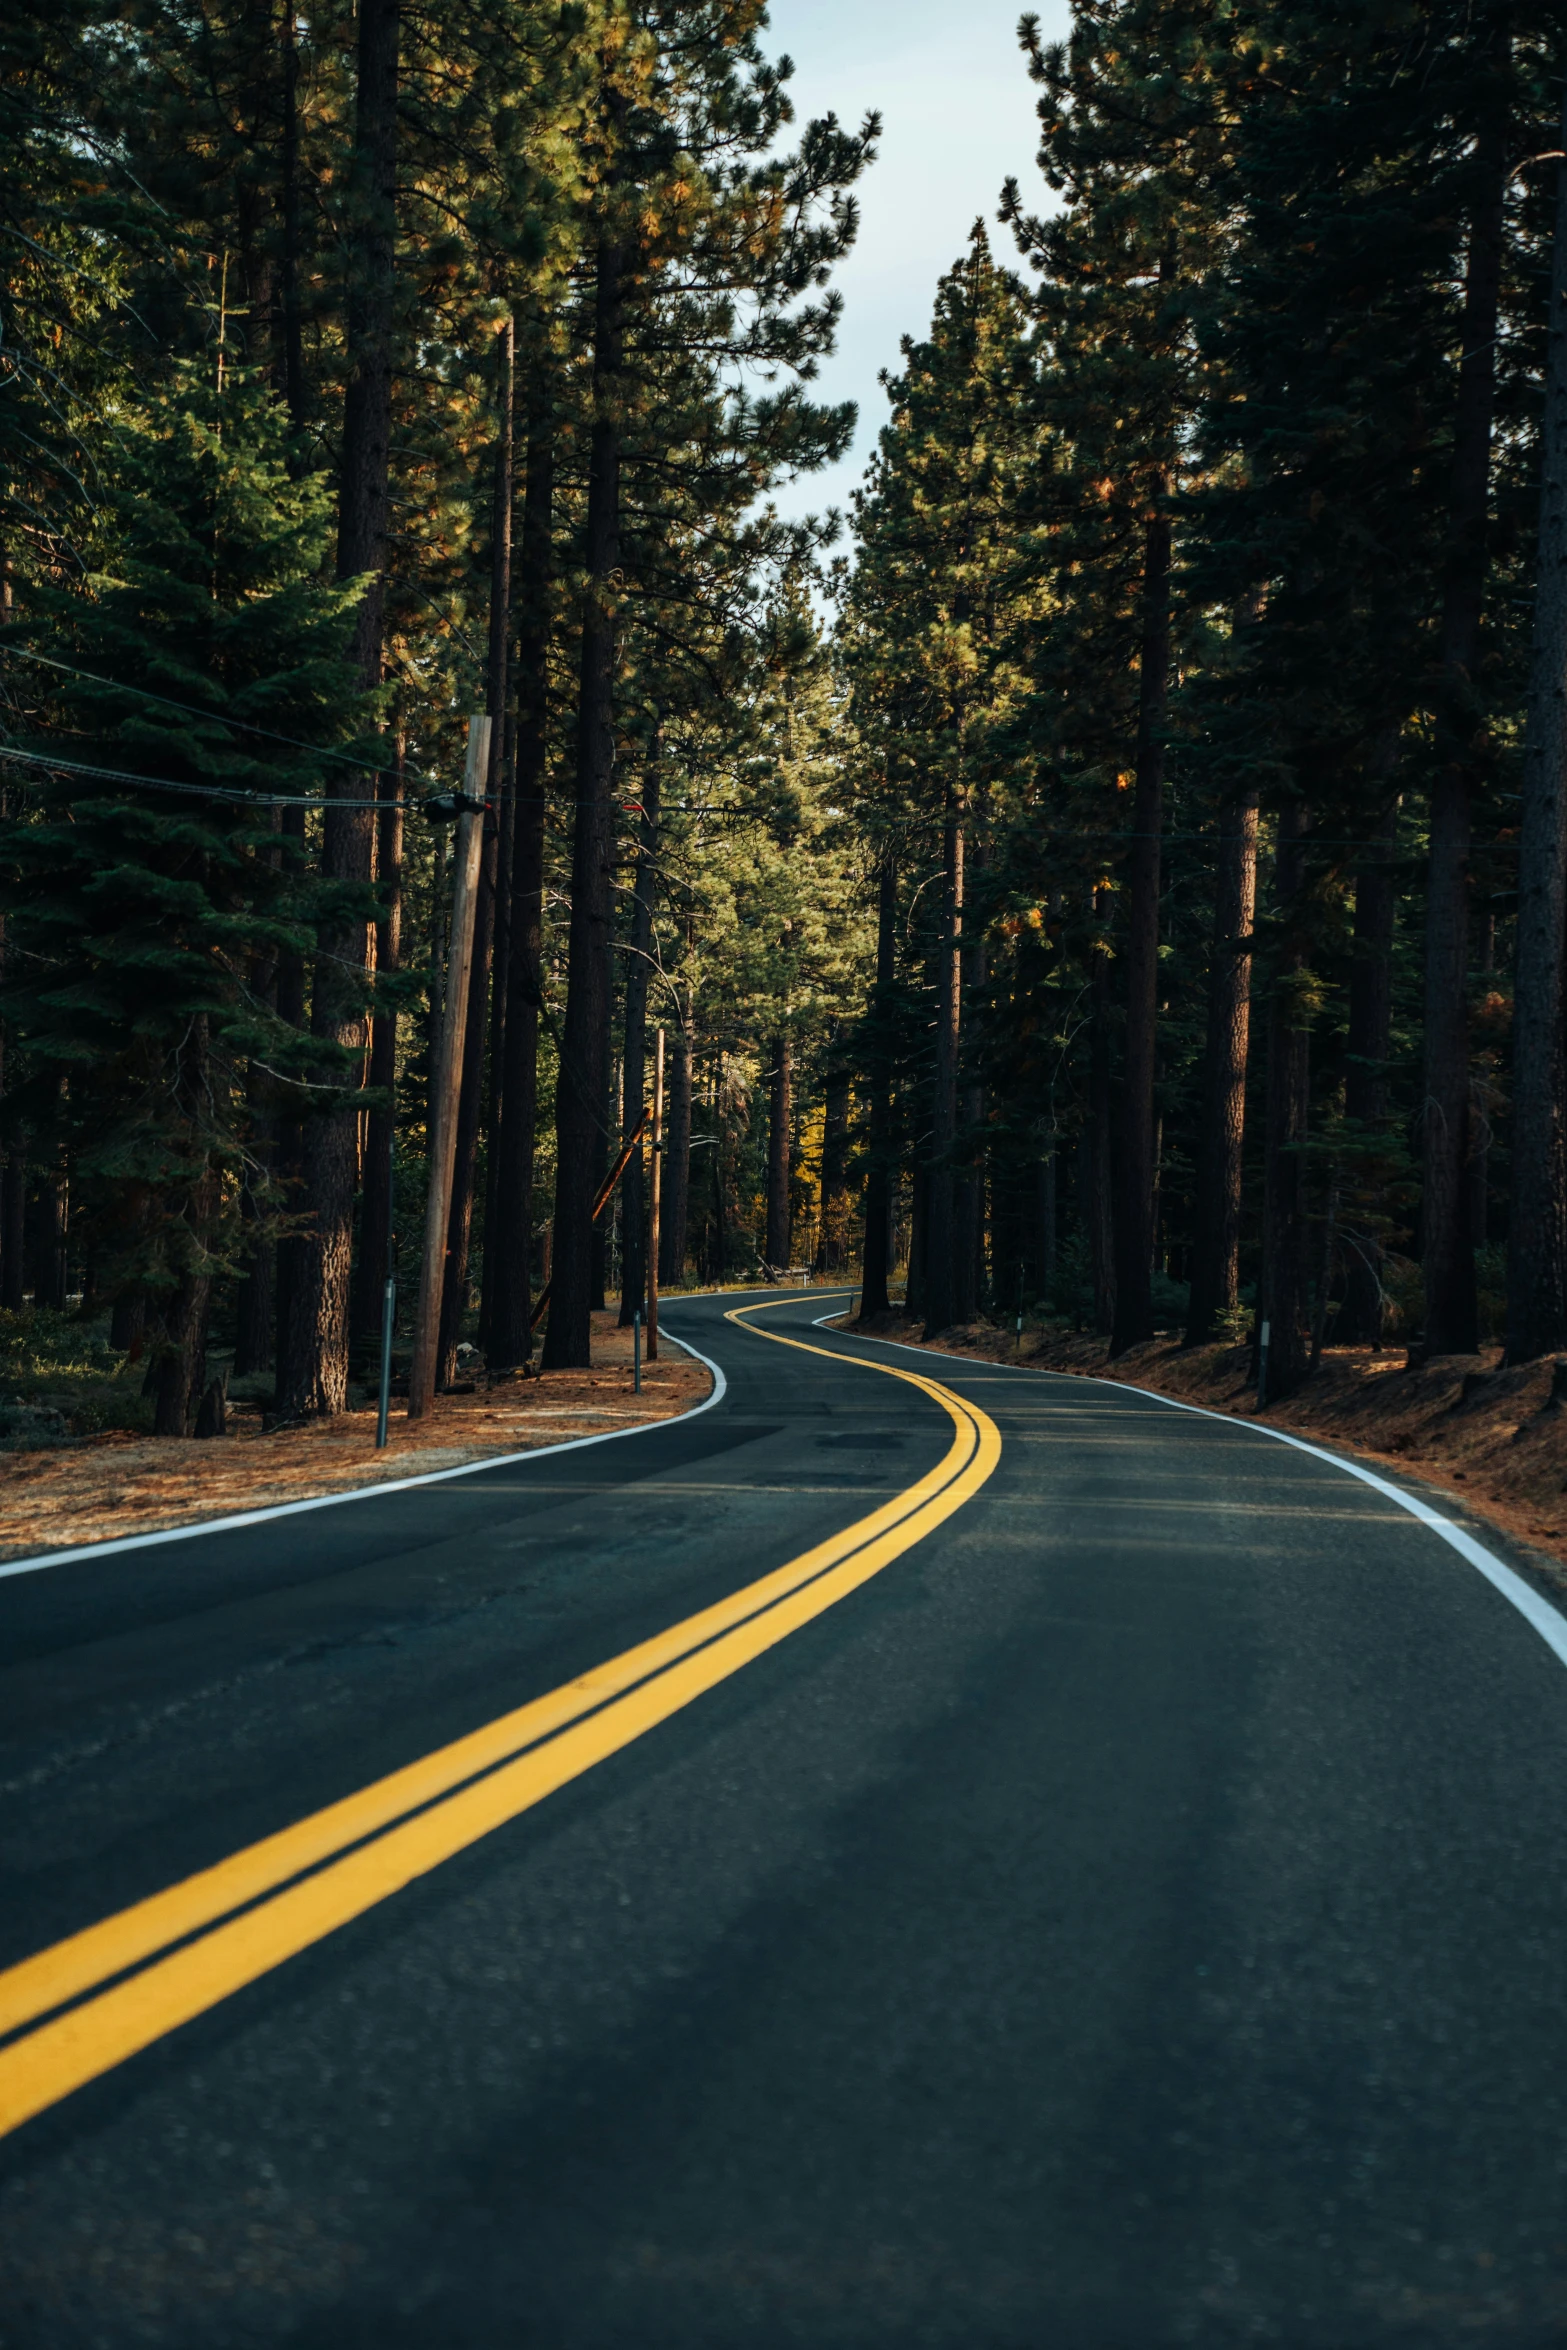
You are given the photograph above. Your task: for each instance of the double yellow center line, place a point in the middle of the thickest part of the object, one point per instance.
(158, 1964)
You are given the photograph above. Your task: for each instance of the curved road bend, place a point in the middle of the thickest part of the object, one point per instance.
(1130, 1911)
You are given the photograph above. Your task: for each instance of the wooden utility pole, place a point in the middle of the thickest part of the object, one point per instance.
(654, 1195)
(446, 1075)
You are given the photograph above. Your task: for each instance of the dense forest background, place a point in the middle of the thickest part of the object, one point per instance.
(1124, 879)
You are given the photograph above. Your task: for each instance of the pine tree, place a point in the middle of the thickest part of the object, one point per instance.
(145, 907)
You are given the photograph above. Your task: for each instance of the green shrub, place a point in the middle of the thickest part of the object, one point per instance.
(60, 1378)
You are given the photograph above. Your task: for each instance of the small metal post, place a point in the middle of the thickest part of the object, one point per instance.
(388, 1315)
(1262, 1368)
(636, 1352)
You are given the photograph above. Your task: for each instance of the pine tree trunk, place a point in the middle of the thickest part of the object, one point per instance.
(182, 1357)
(508, 1249)
(1366, 1107)
(633, 1065)
(1283, 1292)
(13, 1176)
(968, 1210)
(720, 1220)
(1134, 1190)
(1215, 1272)
(470, 1108)
(500, 994)
(1097, 1154)
(1049, 1217)
(289, 1134)
(292, 385)
(1481, 1098)
(915, 1288)
(938, 1287)
(128, 1323)
(503, 793)
(313, 1348)
(581, 1089)
(180, 1369)
(832, 1254)
(675, 1204)
(375, 1220)
(1447, 1248)
(877, 1259)
(968, 1191)
(253, 1306)
(779, 1112)
(51, 1280)
(13, 1229)
(1537, 1242)
(500, 998)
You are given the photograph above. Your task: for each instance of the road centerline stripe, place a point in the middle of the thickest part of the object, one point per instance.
(369, 1845)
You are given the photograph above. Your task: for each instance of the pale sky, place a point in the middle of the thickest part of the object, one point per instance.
(958, 116)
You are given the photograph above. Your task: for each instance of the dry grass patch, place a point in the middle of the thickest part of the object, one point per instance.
(118, 1482)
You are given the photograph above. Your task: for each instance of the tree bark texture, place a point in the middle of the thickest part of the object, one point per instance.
(182, 1356)
(1135, 1155)
(181, 1364)
(914, 1288)
(877, 1259)
(780, 1110)
(51, 1278)
(1048, 1216)
(503, 794)
(293, 339)
(633, 1064)
(580, 1095)
(375, 1216)
(500, 989)
(1360, 1316)
(676, 1202)
(1283, 1293)
(968, 1188)
(288, 1129)
(832, 1253)
(720, 1217)
(313, 1349)
(510, 1245)
(13, 1228)
(470, 1112)
(1537, 1245)
(939, 1284)
(1447, 1243)
(1097, 1148)
(1215, 1271)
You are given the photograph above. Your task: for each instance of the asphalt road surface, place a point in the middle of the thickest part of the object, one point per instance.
(1114, 1897)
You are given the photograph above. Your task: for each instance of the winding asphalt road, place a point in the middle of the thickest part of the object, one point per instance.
(1114, 1897)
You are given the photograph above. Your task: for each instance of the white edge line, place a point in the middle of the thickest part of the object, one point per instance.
(326, 1501)
(1547, 1620)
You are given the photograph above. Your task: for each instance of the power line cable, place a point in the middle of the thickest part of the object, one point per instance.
(198, 791)
(218, 717)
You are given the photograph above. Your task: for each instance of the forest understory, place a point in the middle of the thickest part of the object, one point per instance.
(102, 1487)
(1493, 1438)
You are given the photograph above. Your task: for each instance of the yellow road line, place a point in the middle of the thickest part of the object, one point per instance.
(548, 1743)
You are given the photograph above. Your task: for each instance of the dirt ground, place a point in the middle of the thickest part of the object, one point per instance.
(116, 1484)
(1492, 1438)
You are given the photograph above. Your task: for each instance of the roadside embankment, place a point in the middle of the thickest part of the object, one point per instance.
(1495, 1439)
(104, 1486)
